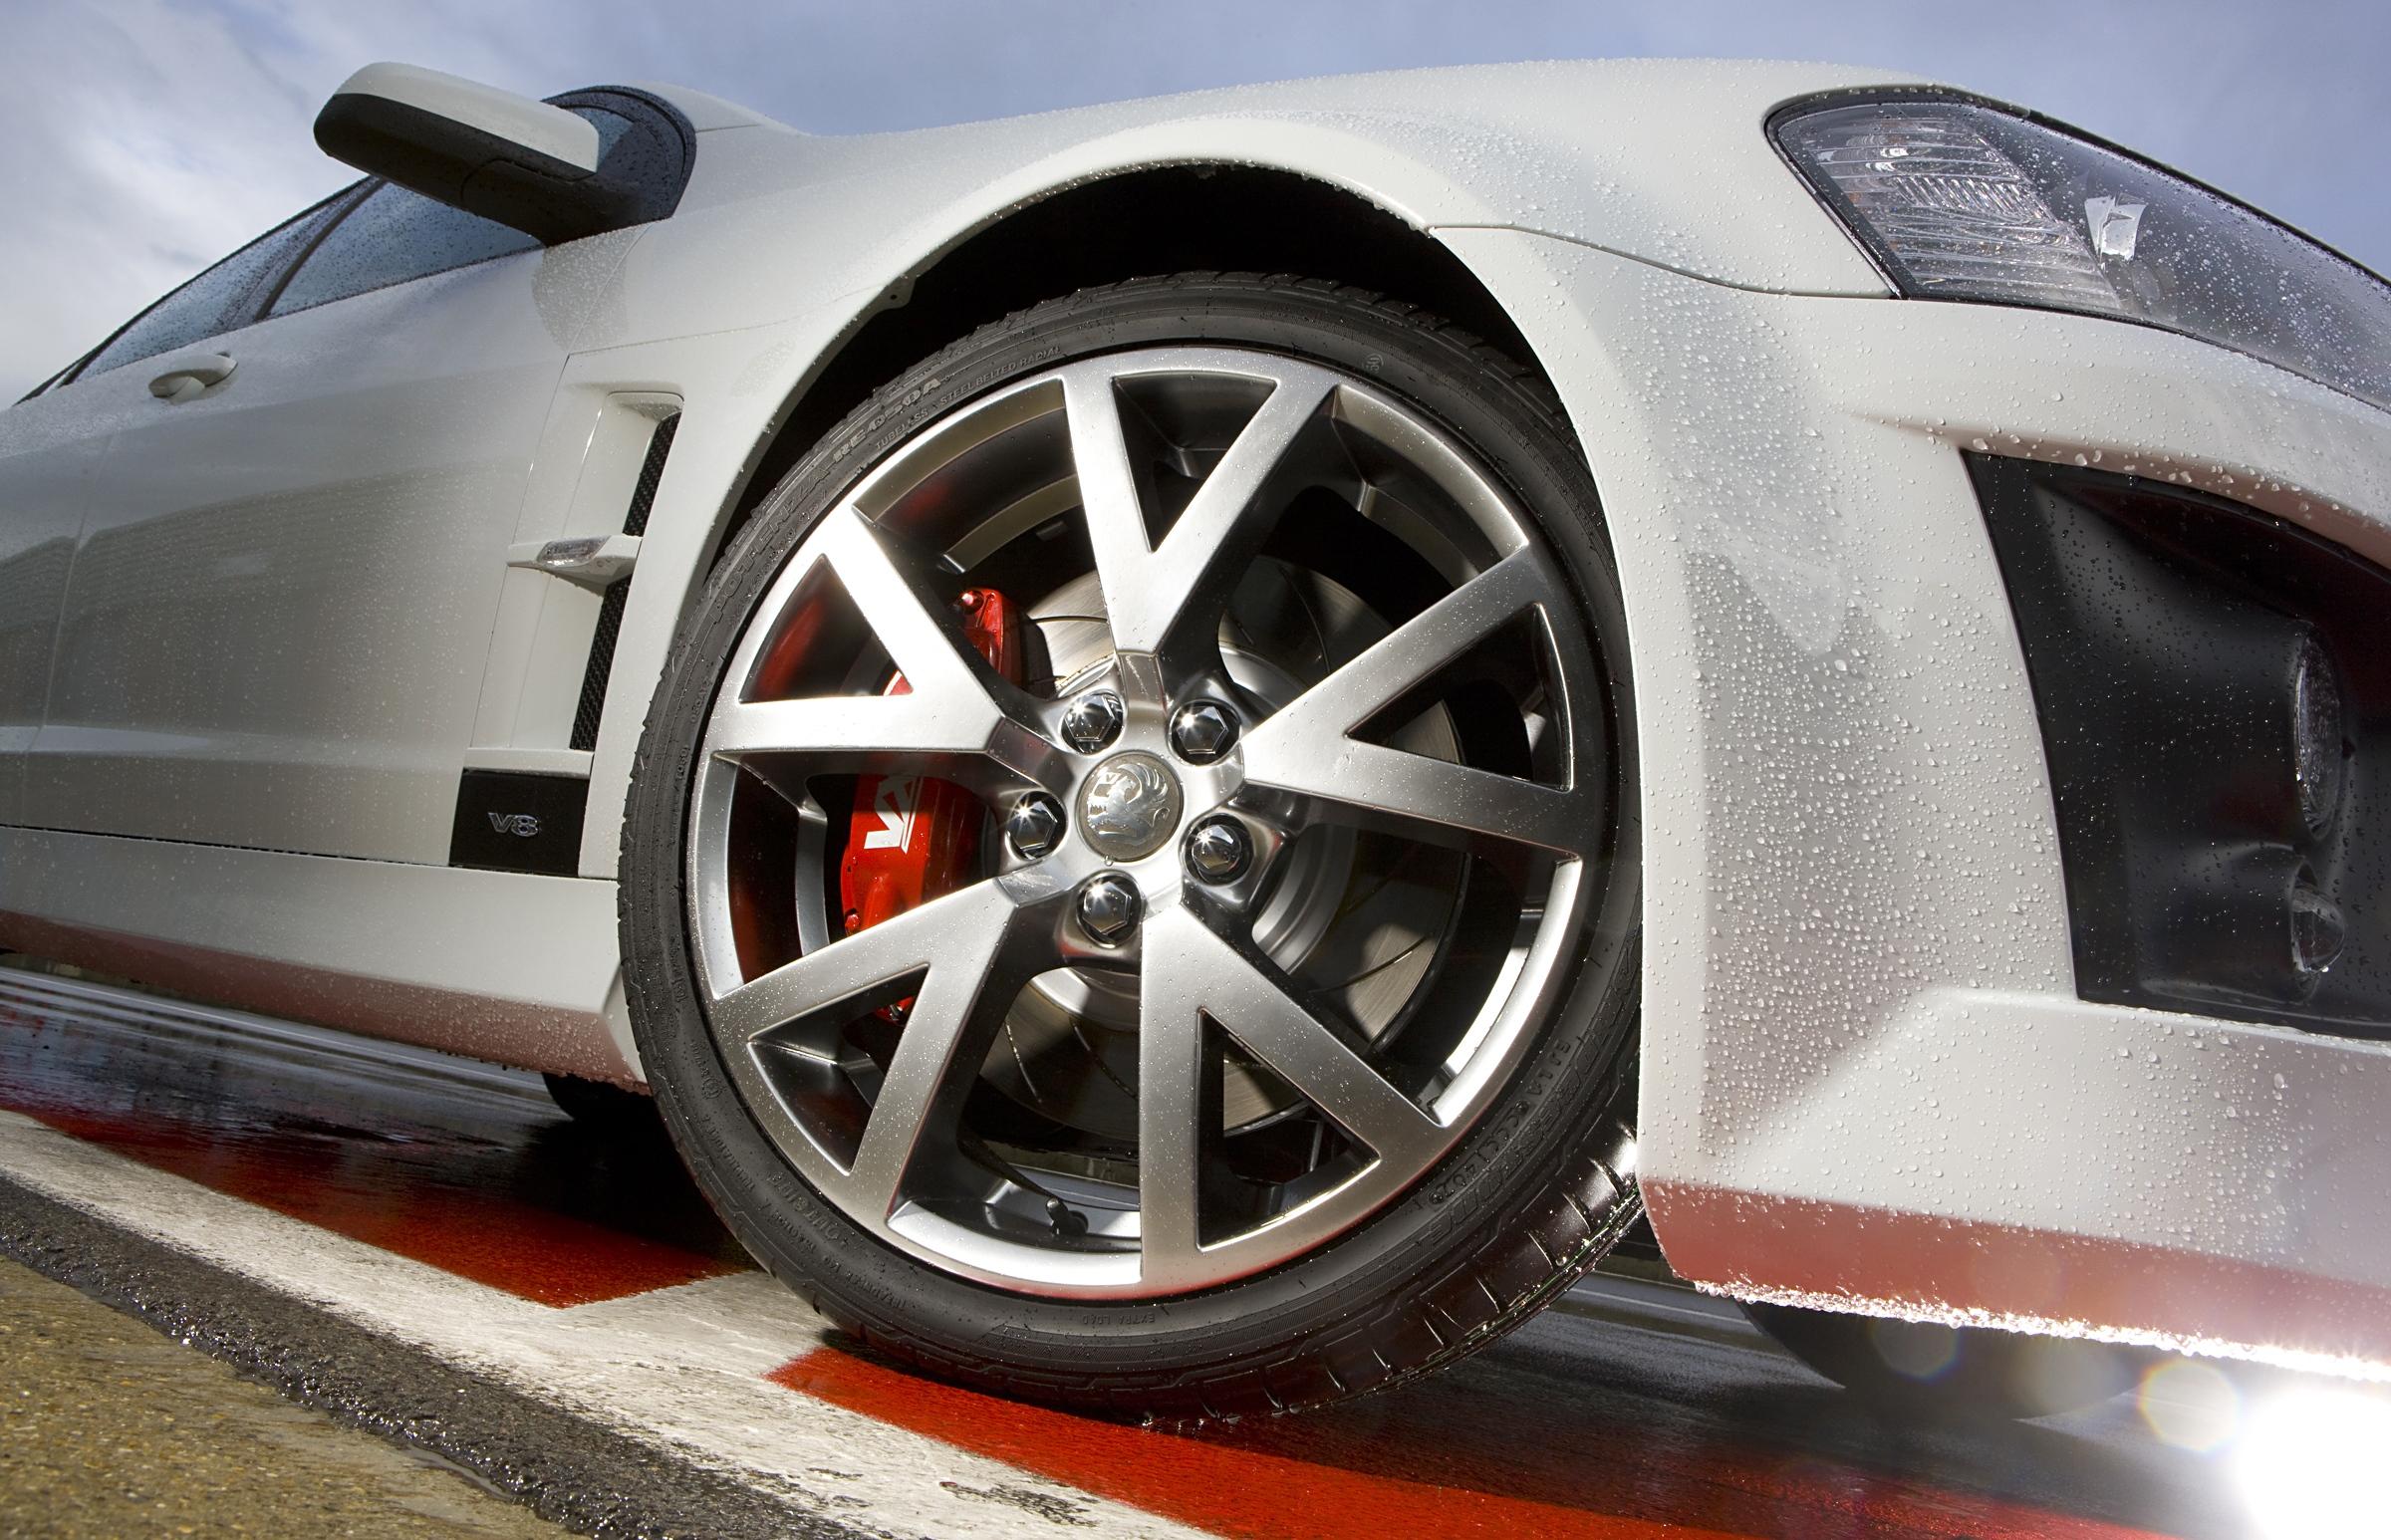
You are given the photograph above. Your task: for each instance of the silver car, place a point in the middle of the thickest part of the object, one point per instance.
(1201, 746)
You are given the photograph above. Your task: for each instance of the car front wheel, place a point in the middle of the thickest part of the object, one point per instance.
(1131, 882)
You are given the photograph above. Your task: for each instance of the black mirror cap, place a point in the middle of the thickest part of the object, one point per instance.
(465, 167)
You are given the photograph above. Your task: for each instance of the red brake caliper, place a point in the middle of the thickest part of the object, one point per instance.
(914, 837)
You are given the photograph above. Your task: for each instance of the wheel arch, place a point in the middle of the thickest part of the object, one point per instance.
(1268, 195)
(1130, 221)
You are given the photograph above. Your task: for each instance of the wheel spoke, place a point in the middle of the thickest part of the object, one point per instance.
(969, 948)
(845, 732)
(955, 708)
(947, 931)
(910, 618)
(946, 1034)
(1171, 1107)
(1244, 993)
(1307, 747)
(1160, 597)
(1431, 800)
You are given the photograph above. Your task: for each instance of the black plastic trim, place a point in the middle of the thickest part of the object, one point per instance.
(652, 476)
(600, 667)
(512, 821)
(2162, 629)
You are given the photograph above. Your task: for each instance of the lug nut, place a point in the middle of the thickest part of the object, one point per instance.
(1203, 731)
(1033, 824)
(1109, 908)
(1094, 720)
(1219, 850)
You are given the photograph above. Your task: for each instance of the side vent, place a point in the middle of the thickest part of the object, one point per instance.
(609, 610)
(601, 664)
(652, 475)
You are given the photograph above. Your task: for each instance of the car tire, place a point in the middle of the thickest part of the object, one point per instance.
(1965, 1372)
(1536, 1188)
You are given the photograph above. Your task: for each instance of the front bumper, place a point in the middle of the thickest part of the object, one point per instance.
(1867, 1074)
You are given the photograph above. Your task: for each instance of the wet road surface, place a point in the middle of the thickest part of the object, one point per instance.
(400, 1217)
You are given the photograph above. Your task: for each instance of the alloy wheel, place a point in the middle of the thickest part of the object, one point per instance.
(1291, 827)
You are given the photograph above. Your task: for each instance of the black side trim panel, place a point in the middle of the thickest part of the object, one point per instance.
(507, 821)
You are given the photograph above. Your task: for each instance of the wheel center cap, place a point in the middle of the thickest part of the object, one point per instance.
(1128, 806)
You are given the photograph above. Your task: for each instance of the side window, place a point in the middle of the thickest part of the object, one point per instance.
(397, 236)
(392, 236)
(218, 300)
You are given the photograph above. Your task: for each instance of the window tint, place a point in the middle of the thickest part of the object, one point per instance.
(395, 235)
(217, 301)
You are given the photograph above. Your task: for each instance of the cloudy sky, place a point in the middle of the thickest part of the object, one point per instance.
(140, 139)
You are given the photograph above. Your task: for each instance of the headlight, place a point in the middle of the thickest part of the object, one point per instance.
(1956, 200)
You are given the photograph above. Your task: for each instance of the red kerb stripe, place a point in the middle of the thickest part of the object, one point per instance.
(1380, 1470)
(528, 1251)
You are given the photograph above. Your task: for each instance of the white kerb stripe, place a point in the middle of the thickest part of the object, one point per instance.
(679, 1369)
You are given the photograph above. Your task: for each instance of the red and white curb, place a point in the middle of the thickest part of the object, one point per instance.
(375, 1229)
(682, 1368)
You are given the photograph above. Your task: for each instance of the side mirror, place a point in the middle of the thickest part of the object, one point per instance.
(529, 165)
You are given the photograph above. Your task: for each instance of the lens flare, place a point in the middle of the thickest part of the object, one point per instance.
(2309, 1463)
(1915, 1350)
(2189, 1405)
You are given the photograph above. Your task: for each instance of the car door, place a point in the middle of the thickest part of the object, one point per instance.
(283, 590)
(48, 447)
(51, 445)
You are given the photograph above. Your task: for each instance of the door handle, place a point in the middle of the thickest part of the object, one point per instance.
(190, 374)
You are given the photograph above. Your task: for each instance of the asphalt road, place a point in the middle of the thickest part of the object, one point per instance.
(423, 1248)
